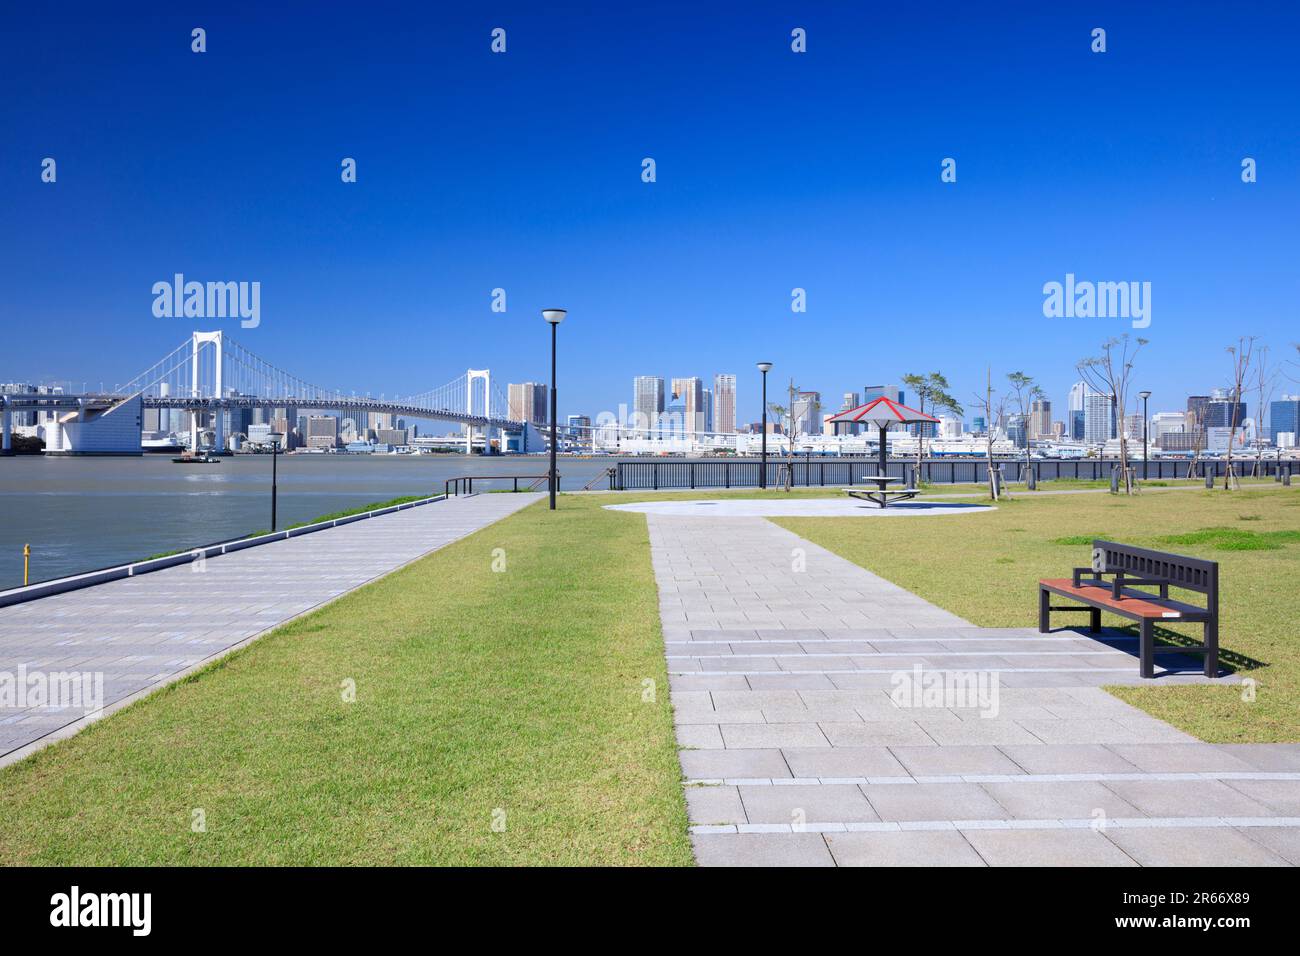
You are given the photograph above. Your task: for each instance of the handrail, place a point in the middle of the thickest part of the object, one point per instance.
(470, 479)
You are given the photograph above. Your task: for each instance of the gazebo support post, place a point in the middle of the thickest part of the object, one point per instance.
(883, 455)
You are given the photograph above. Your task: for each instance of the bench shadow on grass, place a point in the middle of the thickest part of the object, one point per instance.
(1230, 661)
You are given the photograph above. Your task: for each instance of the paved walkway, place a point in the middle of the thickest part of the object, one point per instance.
(144, 632)
(785, 662)
(841, 507)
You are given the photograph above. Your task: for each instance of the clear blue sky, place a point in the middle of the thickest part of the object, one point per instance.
(775, 170)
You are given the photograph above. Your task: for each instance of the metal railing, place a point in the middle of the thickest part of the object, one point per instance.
(453, 486)
(845, 472)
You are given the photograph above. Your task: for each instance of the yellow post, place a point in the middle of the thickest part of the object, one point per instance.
(27, 553)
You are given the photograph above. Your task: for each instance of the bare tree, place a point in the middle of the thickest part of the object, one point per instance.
(1265, 385)
(1111, 373)
(994, 408)
(1243, 355)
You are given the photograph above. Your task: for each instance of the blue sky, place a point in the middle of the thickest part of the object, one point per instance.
(774, 170)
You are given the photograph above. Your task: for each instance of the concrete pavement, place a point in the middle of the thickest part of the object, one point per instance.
(827, 717)
(144, 632)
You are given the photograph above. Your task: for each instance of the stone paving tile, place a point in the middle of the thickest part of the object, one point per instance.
(875, 733)
(1281, 841)
(934, 801)
(1046, 848)
(1179, 798)
(1278, 757)
(937, 761)
(762, 849)
(749, 736)
(1212, 846)
(1179, 758)
(714, 805)
(915, 848)
(843, 762)
(1280, 796)
(1073, 800)
(838, 803)
(138, 632)
(720, 764)
(1068, 758)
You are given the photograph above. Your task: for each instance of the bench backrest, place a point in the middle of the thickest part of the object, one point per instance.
(1194, 574)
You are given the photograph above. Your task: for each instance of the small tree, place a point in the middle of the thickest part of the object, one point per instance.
(931, 390)
(1026, 392)
(994, 408)
(1111, 374)
(1243, 355)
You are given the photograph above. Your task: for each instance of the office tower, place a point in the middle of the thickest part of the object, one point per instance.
(1223, 412)
(20, 418)
(807, 414)
(1283, 416)
(978, 425)
(724, 403)
(691, 392)
(892, 392)
(1078, 394)
(647, 401)
(1167, 423)
(526, 402)
(1076, 424)
(322, 431)
(1196, 408)
(708, 410)
(1018, 430)
(849, 401)
(672, 420)
(1098, 418)
(1040, 418)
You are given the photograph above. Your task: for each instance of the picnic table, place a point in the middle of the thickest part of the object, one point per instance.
(881, 494)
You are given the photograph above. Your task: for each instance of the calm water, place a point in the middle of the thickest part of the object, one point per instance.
(84, 513)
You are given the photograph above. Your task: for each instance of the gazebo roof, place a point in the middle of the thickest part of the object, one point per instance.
(883, 412)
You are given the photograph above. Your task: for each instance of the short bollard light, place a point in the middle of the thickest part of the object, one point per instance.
(27, 554)
(1209, 480)
(1114, 481)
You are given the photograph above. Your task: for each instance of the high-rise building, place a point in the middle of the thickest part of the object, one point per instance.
(24, 417)
(724, 403)
(1167, 423)
(1076, 424)
(1223, 412)
(892, 392)
(691, 392)
(1098, 418)
(322, 430)
(647, 401)
(1018, 430)
(526, 402)
(1040, 418)
(1078, 393)
(807, 414)
(1284, 416)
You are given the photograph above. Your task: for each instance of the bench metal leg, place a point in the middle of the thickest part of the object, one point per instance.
(1147, 647)
(1044, 610)
(1211, 640)
(1094, 620)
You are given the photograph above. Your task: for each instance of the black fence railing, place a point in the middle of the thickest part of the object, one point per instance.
(687, 473)
(464, 484)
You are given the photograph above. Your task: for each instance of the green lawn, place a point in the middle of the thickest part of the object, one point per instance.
(984, 568)
(476, 691)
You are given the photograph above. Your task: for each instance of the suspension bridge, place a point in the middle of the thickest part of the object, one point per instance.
(211, 373)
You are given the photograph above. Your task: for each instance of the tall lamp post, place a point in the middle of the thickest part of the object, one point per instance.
(275, 447)
(553, 317)
(1144, 396)
(764, 367)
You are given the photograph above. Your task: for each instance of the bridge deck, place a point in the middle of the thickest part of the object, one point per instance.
(142, 633)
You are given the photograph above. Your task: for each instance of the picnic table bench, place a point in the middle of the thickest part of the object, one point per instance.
(1133, 569)
(882, 494)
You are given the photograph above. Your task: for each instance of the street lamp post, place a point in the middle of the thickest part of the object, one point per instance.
(553, 317)
(764, 367)
(275, 447)
(1144, 396)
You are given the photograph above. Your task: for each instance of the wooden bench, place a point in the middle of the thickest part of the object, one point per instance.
(1133, 569)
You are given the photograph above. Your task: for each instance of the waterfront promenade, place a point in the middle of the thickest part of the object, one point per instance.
(144, 632)
(782, 657)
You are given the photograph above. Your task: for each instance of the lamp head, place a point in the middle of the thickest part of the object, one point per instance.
(1144, 395)
(765, 367)
(554, 316)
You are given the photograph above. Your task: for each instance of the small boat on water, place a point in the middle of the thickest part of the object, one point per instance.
(203, 459)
